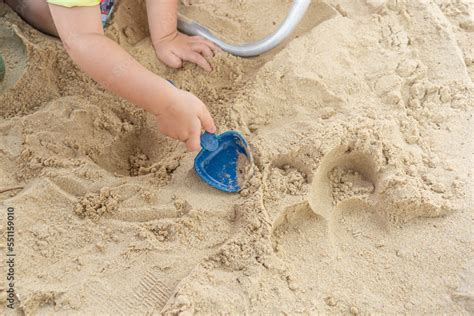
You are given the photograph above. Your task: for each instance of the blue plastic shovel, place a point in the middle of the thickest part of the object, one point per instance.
(225, 161)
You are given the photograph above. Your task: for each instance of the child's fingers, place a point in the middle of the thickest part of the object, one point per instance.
(198, 59)
(202, 49)
(216, 49)
(193, 144)
(207, 121)
(194, 140)
(171, 60)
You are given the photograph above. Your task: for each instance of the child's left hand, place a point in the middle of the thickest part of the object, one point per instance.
(176, 48)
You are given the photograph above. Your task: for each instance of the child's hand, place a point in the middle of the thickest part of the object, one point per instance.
(177, 47)
(183, 118)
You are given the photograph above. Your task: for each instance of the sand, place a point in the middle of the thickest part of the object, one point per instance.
(361, 198)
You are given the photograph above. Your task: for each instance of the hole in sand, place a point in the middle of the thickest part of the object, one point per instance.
(343, 176)
(293, 162)
(134, 149)
(147, 152)
(347, 183)
(289, 175)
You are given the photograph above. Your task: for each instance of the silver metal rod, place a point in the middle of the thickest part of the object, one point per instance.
(296, 13)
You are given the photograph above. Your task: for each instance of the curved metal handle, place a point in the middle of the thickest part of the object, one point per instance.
(296, 13)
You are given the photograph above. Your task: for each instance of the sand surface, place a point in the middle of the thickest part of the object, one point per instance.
(361, 199)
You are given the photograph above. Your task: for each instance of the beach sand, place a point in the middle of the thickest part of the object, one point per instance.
(361, 199)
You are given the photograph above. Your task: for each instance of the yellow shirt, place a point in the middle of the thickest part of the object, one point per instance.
(75, 3)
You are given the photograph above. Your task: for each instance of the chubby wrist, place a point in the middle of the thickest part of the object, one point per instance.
(161, 98)
(161, 38)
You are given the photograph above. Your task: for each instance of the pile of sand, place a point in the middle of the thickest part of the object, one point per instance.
(360, 201)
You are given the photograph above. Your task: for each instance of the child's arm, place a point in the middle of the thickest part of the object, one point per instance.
(180, 114)
(173, 47)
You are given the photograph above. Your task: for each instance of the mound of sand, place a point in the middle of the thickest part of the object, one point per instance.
(361, 197)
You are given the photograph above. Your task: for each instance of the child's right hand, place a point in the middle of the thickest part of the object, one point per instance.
(183, 118)
(180, 114)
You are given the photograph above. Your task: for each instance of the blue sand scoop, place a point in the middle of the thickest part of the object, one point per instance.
(223, 159)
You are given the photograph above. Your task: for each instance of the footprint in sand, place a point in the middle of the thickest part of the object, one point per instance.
(345, 223)
(344, 192)
(131, 255)
(147, 293)
(340, 201)
(333, 228)
(344, 179)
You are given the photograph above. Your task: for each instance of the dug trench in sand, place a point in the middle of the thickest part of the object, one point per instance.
(361, 197)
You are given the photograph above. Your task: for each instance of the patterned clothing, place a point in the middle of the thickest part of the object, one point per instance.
(106, 8)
